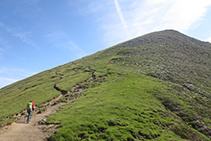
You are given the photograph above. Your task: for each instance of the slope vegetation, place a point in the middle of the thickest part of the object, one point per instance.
(156, 86)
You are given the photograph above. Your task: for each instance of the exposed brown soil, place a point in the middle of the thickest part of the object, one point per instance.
(35, 130)
(21, 131)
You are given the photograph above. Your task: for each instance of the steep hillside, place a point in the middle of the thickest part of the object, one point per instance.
(157, 86)
(172, 56)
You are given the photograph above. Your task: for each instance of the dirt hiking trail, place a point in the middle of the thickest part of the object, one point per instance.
(21, 131)
(34, 130)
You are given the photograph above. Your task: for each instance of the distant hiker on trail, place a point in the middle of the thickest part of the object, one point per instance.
(30, 107)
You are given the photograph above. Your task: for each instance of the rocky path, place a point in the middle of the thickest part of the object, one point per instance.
(21, 131)
(34, 130)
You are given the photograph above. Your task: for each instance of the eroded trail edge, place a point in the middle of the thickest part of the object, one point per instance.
(36, 129)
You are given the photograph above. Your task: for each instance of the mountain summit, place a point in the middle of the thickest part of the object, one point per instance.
(171, 55)
(154, 87)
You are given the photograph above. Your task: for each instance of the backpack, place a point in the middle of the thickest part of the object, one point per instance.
(29, 105)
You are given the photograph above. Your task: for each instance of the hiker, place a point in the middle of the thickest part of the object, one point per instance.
(30, 107)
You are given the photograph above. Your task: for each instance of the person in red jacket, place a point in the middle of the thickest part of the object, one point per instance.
(30, 107)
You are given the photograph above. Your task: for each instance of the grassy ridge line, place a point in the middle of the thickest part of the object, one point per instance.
(174, 58)
(39, 88)
(121, 108)
(16, 96)
(72, 94)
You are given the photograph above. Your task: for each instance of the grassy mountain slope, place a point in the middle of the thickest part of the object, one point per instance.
(121, 108)
(157, 86)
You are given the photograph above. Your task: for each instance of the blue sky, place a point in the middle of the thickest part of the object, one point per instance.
(37, 35)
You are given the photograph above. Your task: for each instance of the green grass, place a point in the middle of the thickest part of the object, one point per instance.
(157, 87)
(10, 120)
(38, 88)
(121, 108)
(15, 97)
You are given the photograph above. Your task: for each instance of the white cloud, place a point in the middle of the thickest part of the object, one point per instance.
(183, 13)
(120, 14)
(179, 14)
(151, 15)
(209, 40)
